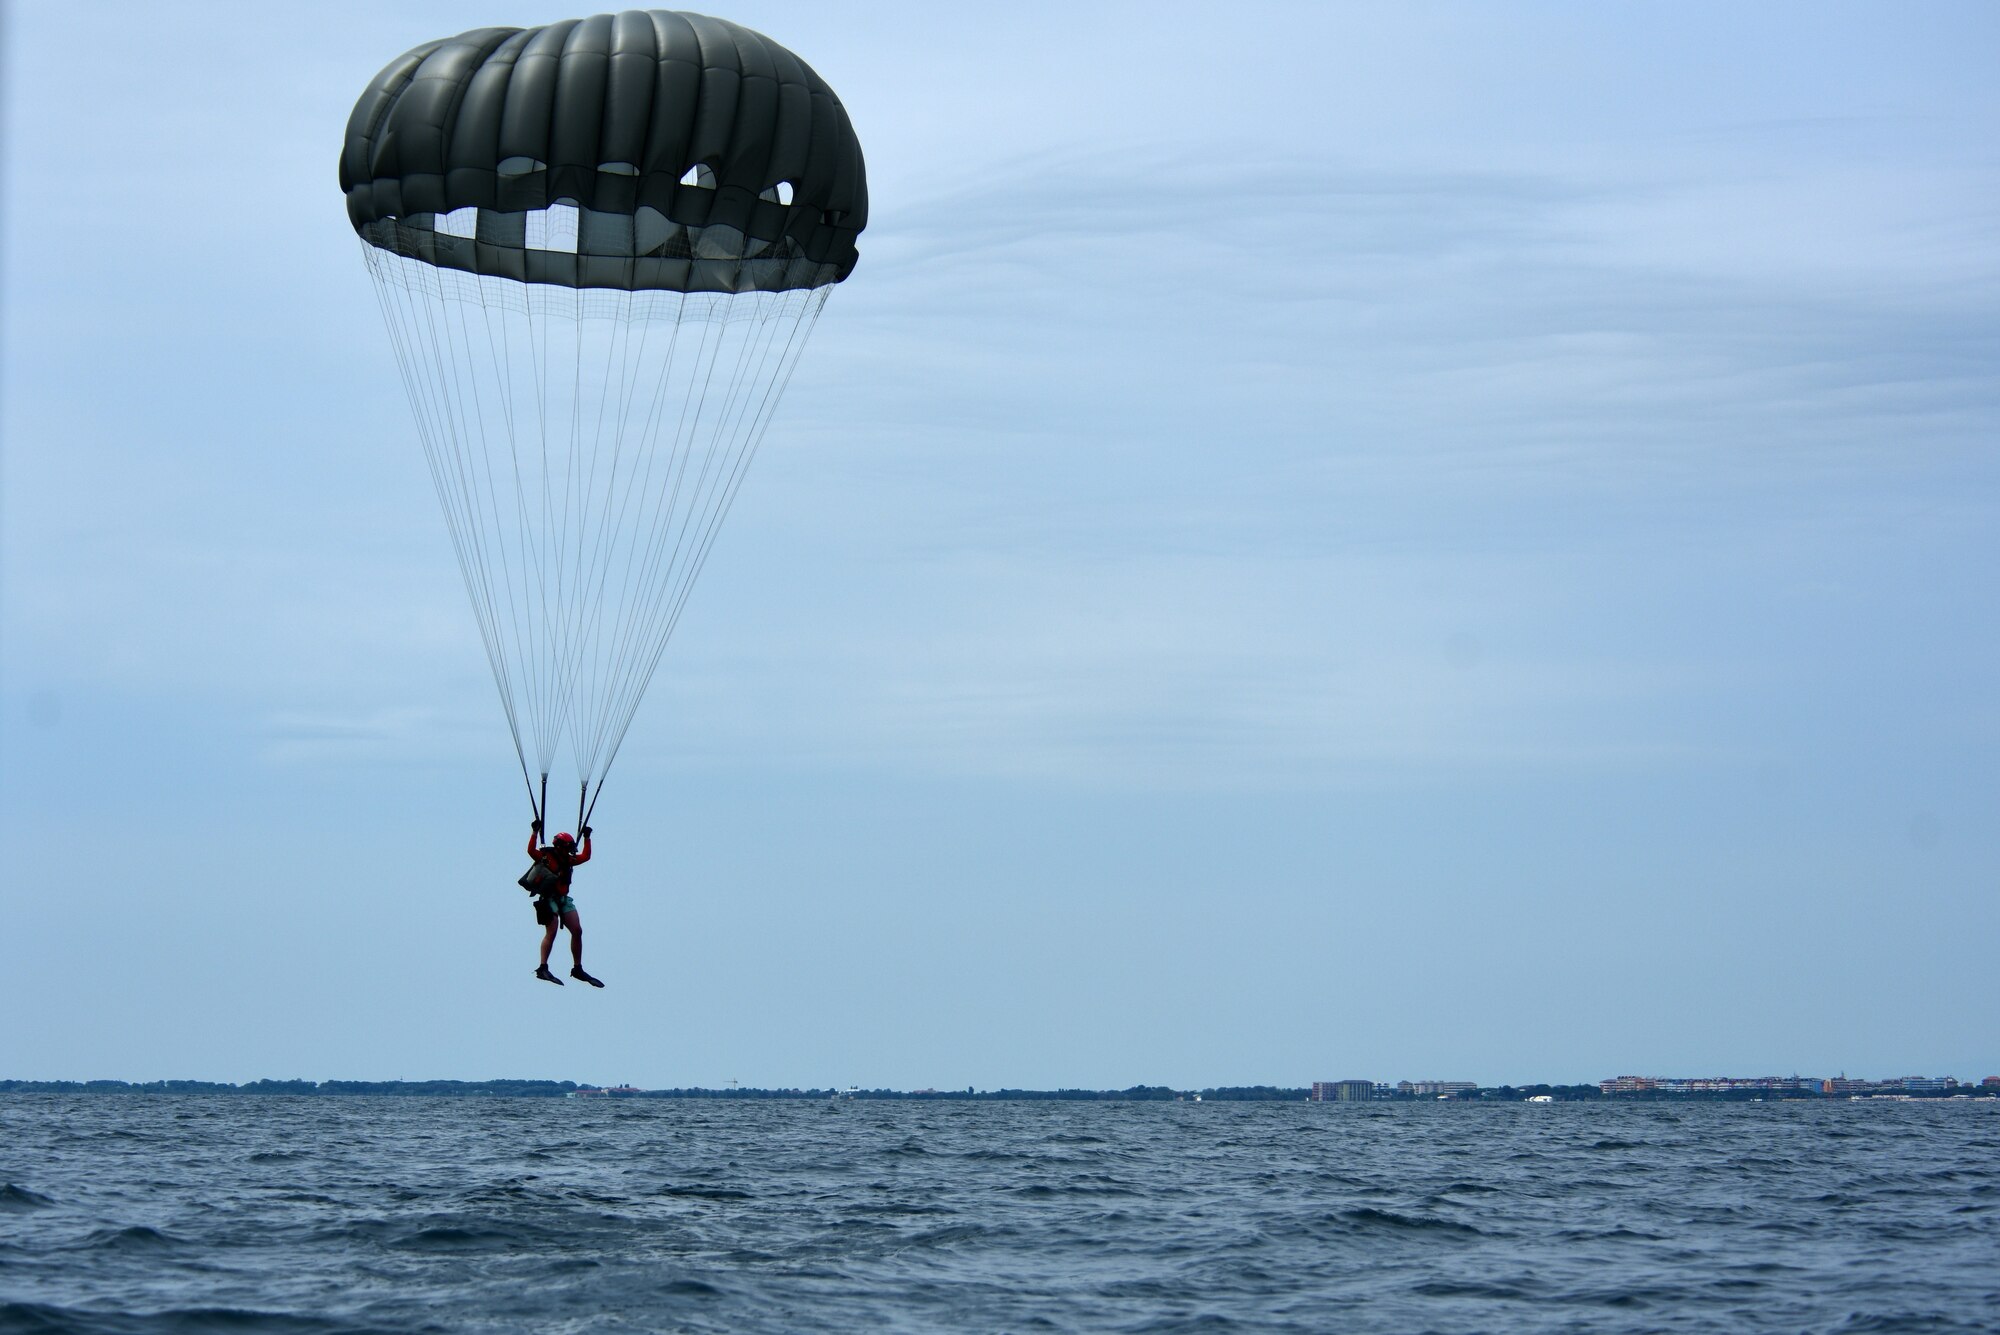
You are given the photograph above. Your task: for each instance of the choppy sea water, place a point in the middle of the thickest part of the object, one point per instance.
(161, 1213)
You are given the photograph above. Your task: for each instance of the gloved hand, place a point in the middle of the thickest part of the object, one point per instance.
(535, 825)
(583, 832)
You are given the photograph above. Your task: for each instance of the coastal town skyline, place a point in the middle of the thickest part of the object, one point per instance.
(1324, 1091)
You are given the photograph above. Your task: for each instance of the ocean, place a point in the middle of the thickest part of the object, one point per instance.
(157, 1213)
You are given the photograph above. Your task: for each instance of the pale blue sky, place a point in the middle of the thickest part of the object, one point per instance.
(1333, 540)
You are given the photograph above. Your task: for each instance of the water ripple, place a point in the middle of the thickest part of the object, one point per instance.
(153, 1214)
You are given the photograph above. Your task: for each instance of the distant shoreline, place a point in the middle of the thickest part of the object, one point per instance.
(1134, 1094)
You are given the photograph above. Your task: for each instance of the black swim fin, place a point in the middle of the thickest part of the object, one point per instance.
(582, 977)
(547, 977)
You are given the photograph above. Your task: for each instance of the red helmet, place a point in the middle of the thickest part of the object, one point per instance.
(564, 838)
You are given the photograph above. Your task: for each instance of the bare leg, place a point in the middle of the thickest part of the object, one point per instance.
(575, 925)
(548, 941)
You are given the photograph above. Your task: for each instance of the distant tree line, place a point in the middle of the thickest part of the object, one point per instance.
(559, 1088)
(508, 1089)
(546, 1089)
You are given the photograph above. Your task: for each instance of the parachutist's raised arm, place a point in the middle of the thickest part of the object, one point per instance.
(583, 852)
(534, 839)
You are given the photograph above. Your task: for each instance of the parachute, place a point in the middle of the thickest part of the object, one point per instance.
(600, 248)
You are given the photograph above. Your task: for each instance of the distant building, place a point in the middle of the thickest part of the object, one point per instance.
(1990, 1082)
(1732, 1084)
(1712, 1084)
(1627, 1084)
(1444, 1089)
(1343, 1091)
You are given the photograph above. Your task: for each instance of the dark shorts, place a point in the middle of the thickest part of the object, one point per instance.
(550, 908)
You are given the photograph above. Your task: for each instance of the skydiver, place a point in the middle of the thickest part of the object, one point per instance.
(553, 906)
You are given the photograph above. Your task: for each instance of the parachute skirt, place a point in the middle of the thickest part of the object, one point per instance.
(599, 250)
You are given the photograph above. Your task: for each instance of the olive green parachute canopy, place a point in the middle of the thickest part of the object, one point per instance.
(700, 157)
(600, 248)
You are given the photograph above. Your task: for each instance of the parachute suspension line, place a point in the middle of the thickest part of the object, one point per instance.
(645, 426)
(660, 573)
(718, 464)
(573, 629)
(625, 355)
(610, 661)
(466, 373)
(476, 496)
(630, 363)
(544, 684)
(500, 351)
(567, 627)
(810, 304)
(432, 420)
(427, 414)
(802, 329)
(541, 603)
(554, 466)
(736, 410)
(638, 488)
(463, 468)
(656, 565)
(543, 650)
(544, 654)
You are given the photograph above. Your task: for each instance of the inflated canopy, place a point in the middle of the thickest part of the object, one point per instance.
(699, 156)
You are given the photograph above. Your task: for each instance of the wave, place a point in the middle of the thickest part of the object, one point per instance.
(440, 1233)
(706, 1193)
(1369, 1217)
(1905, 1323)
(134, 1237)
(1446, 1288)
(1042, 1191)
(23, 1318)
